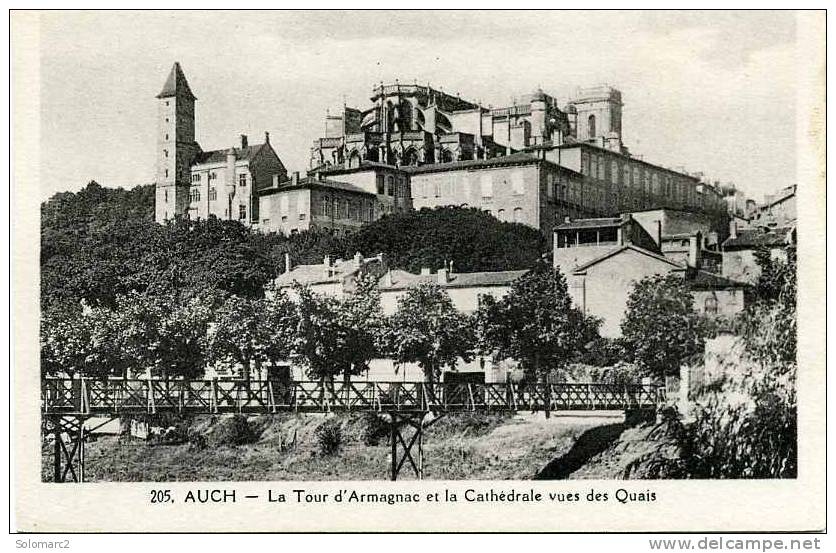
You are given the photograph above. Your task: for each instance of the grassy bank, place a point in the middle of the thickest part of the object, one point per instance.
(287, 447)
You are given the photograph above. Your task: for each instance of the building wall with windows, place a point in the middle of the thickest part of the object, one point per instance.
(519, 188)
(389, 184)
(623, 183)
(303, 204)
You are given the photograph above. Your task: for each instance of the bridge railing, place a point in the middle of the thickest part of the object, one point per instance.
(115, 396)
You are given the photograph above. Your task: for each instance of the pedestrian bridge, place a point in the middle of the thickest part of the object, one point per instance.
(67, 404)
(88, 397)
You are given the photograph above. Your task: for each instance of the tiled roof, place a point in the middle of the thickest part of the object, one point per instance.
(519, 158)
(317, 274)
(311, 182)
(176, 84)
(617, 250)
(404, 279)
(572, 258)
(219, 156)
(604, 222)
(704, 280)
(753, 238)
(364, 166)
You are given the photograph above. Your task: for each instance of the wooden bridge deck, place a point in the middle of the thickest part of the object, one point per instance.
(87, 397)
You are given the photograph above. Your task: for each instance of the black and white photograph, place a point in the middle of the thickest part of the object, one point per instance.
(424, 246)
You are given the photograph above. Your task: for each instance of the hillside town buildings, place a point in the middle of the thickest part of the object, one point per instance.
(612, 217)
(533, 162)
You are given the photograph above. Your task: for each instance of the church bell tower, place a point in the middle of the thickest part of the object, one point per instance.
(176, 146)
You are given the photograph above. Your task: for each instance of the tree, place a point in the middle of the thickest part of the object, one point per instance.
(471, 239)
(660, 327)
(320, 344)
(249, 333)
(361, 320)
(166, 334)
(428, 330)
(535, 324)
(65, 339)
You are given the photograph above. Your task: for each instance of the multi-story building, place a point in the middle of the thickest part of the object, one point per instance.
(603, 258)
(446, 150)
(532, 162)
(195, 183)
(310, 203)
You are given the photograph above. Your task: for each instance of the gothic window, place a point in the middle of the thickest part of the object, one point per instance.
(242, 212)
(242, 179)
(213, 194)
(592, 126)
(166, 173)
(194, 195)
(165, 152)
(166, 195)
(380, 187)
(390, 186)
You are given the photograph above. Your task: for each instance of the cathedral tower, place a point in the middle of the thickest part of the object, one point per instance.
(598, 114)
(176, 146)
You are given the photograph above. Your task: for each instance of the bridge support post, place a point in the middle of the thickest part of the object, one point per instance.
(407, 447)
(68, 457)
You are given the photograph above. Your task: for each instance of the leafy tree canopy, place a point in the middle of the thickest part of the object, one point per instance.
(535, 323)
(660, 326)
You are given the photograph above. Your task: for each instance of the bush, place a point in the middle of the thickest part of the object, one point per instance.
(233, 431)
(329, 437)
(197, 441)
(374, 429)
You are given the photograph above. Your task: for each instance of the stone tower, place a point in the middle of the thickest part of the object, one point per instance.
(176, 146)
(598, 115)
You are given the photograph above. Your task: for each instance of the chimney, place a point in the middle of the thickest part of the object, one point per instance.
(243, 141)
(694, 250)
(267, 137)
(358, 258)
(294, 178)
(388, 280)
(327, 261)
(287, 266)
(732, 228)
(450, 269)
(442, 276)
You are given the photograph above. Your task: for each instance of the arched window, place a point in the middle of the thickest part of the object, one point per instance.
(518, 214)
(591, 126)
(390, 186)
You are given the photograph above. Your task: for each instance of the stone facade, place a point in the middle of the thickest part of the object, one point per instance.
(195, 183)
(310, 204)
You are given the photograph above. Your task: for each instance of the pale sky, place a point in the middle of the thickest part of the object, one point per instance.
(709, 91)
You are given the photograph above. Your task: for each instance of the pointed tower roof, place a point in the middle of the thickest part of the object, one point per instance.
(176, 84)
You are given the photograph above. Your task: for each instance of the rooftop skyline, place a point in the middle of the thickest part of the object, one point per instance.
(711, 92)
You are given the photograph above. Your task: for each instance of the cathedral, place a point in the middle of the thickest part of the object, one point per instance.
(410, 125)
(534, 162)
